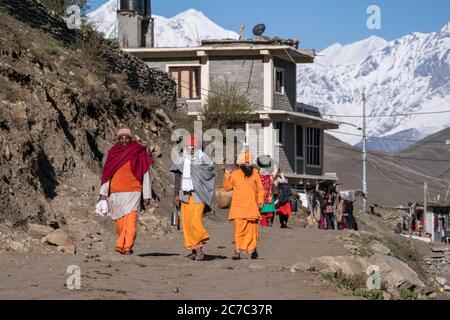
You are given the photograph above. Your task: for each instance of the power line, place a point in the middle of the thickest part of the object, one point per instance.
(373, 164)
(382, 155)
(351, 149)
(443, 174)
(382, 177)
(372, 153)
(323, 115)
(412, 171)
(385, 155)
(385, 138)
(390, 115)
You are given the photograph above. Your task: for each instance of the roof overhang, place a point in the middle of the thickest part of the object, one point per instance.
(283, 52)
(297, 118)
(327, 177)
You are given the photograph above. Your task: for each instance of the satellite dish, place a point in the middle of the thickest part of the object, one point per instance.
(259, 29)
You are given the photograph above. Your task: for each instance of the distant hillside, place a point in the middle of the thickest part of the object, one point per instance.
(393, 178)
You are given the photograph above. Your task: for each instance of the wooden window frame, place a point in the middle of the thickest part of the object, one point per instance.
(180, 86)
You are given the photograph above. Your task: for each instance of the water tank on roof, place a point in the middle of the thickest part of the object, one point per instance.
(142, 7)
(148, 8)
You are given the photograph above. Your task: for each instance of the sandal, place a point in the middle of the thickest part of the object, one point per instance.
(193, 255)
(200, 255)
(119, 250)
(236, 256)
(254, 255)
(128, 252)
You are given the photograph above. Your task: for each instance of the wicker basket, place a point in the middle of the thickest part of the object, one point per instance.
(223, 198)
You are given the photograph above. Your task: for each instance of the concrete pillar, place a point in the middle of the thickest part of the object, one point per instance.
(129, 30)
(148, 35)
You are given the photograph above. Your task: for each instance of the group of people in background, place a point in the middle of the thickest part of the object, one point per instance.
(260, 193)
(332, 209)
(278, 197)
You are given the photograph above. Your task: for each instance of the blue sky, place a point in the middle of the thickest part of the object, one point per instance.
(317, 23)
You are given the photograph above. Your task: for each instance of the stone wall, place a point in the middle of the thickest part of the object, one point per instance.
(287, 150)
(36, 15)
(247, 74)
(140, 77)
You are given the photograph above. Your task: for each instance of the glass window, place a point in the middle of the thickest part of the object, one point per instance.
(279, 80)
(279, 127)
(313, 146)
(299, 140)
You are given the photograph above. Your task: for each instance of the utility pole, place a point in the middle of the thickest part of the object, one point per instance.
(364, 154)
(425, 207)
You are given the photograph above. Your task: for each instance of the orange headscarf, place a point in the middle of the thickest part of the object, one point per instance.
(245, 158)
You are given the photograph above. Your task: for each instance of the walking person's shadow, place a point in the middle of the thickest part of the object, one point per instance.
(208, 257)
(158, 254)
(214, 257)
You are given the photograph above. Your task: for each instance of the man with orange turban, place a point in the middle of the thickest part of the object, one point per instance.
(248, 199)
(194, 190)
(125, 181)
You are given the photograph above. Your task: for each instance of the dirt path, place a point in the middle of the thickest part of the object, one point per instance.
(160, 269)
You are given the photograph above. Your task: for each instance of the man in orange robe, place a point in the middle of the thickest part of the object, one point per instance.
(248, 199)
(194, 190)
(125, 182)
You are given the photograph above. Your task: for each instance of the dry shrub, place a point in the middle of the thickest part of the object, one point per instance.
(227, 106)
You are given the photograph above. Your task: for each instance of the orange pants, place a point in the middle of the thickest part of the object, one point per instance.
(245, 235)
(126, 229)
(195, 235)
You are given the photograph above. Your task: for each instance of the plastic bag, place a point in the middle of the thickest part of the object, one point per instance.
(102, 208)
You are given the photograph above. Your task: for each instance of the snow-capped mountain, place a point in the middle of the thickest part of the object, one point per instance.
(185, 29)
(404, 76)
(338, 54)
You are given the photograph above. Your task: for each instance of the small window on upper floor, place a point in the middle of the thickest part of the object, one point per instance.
(279, 80)
(188, 82)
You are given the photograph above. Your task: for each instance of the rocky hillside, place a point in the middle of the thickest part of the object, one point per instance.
(63, 95)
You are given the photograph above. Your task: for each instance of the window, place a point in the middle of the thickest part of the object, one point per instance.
(299, 140)
(188, 82)
(313, 146)
(279, 127)
(279, 80)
